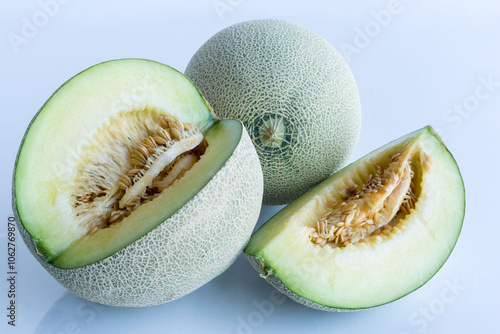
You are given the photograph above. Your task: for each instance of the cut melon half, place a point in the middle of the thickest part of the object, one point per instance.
(126, 185)
(371, 233)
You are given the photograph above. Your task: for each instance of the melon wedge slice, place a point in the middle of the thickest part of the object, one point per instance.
(371, 233)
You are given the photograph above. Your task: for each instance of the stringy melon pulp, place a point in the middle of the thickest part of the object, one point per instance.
(156, 203)
(131, 160)
(370, 234)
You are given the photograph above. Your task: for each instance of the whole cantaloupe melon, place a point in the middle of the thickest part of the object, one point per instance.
(293, 91)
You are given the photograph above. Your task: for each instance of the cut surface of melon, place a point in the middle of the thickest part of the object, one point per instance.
(93, 153)
(370, 234)
(221, 139)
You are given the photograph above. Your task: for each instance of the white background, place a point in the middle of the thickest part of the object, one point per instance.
(418, 66)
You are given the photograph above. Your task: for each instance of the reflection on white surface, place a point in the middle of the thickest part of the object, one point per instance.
(237, 301)
(72, 314)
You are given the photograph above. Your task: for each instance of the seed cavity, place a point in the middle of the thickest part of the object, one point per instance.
(130, 162)
(154, 164)
(373, 208)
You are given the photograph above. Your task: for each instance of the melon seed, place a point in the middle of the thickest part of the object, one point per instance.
(369, 210)
(157, 150)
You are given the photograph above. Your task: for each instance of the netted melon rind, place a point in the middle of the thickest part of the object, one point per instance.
(276, 283)
(183, 253)
(274, 68)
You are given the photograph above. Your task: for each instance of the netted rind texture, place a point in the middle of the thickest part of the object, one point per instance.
(274, 281)
(183, 253)
(264, 70)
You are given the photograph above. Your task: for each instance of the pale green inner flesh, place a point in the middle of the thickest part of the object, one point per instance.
(105, 109)
(379, 268)
(221, 141)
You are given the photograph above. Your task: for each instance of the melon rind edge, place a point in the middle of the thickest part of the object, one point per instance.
(199, 242)
(277, 284)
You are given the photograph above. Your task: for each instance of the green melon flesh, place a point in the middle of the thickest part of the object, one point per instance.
(294, 93)
(167, 247)
(49, 152)
(385, 267)
(222, 139)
